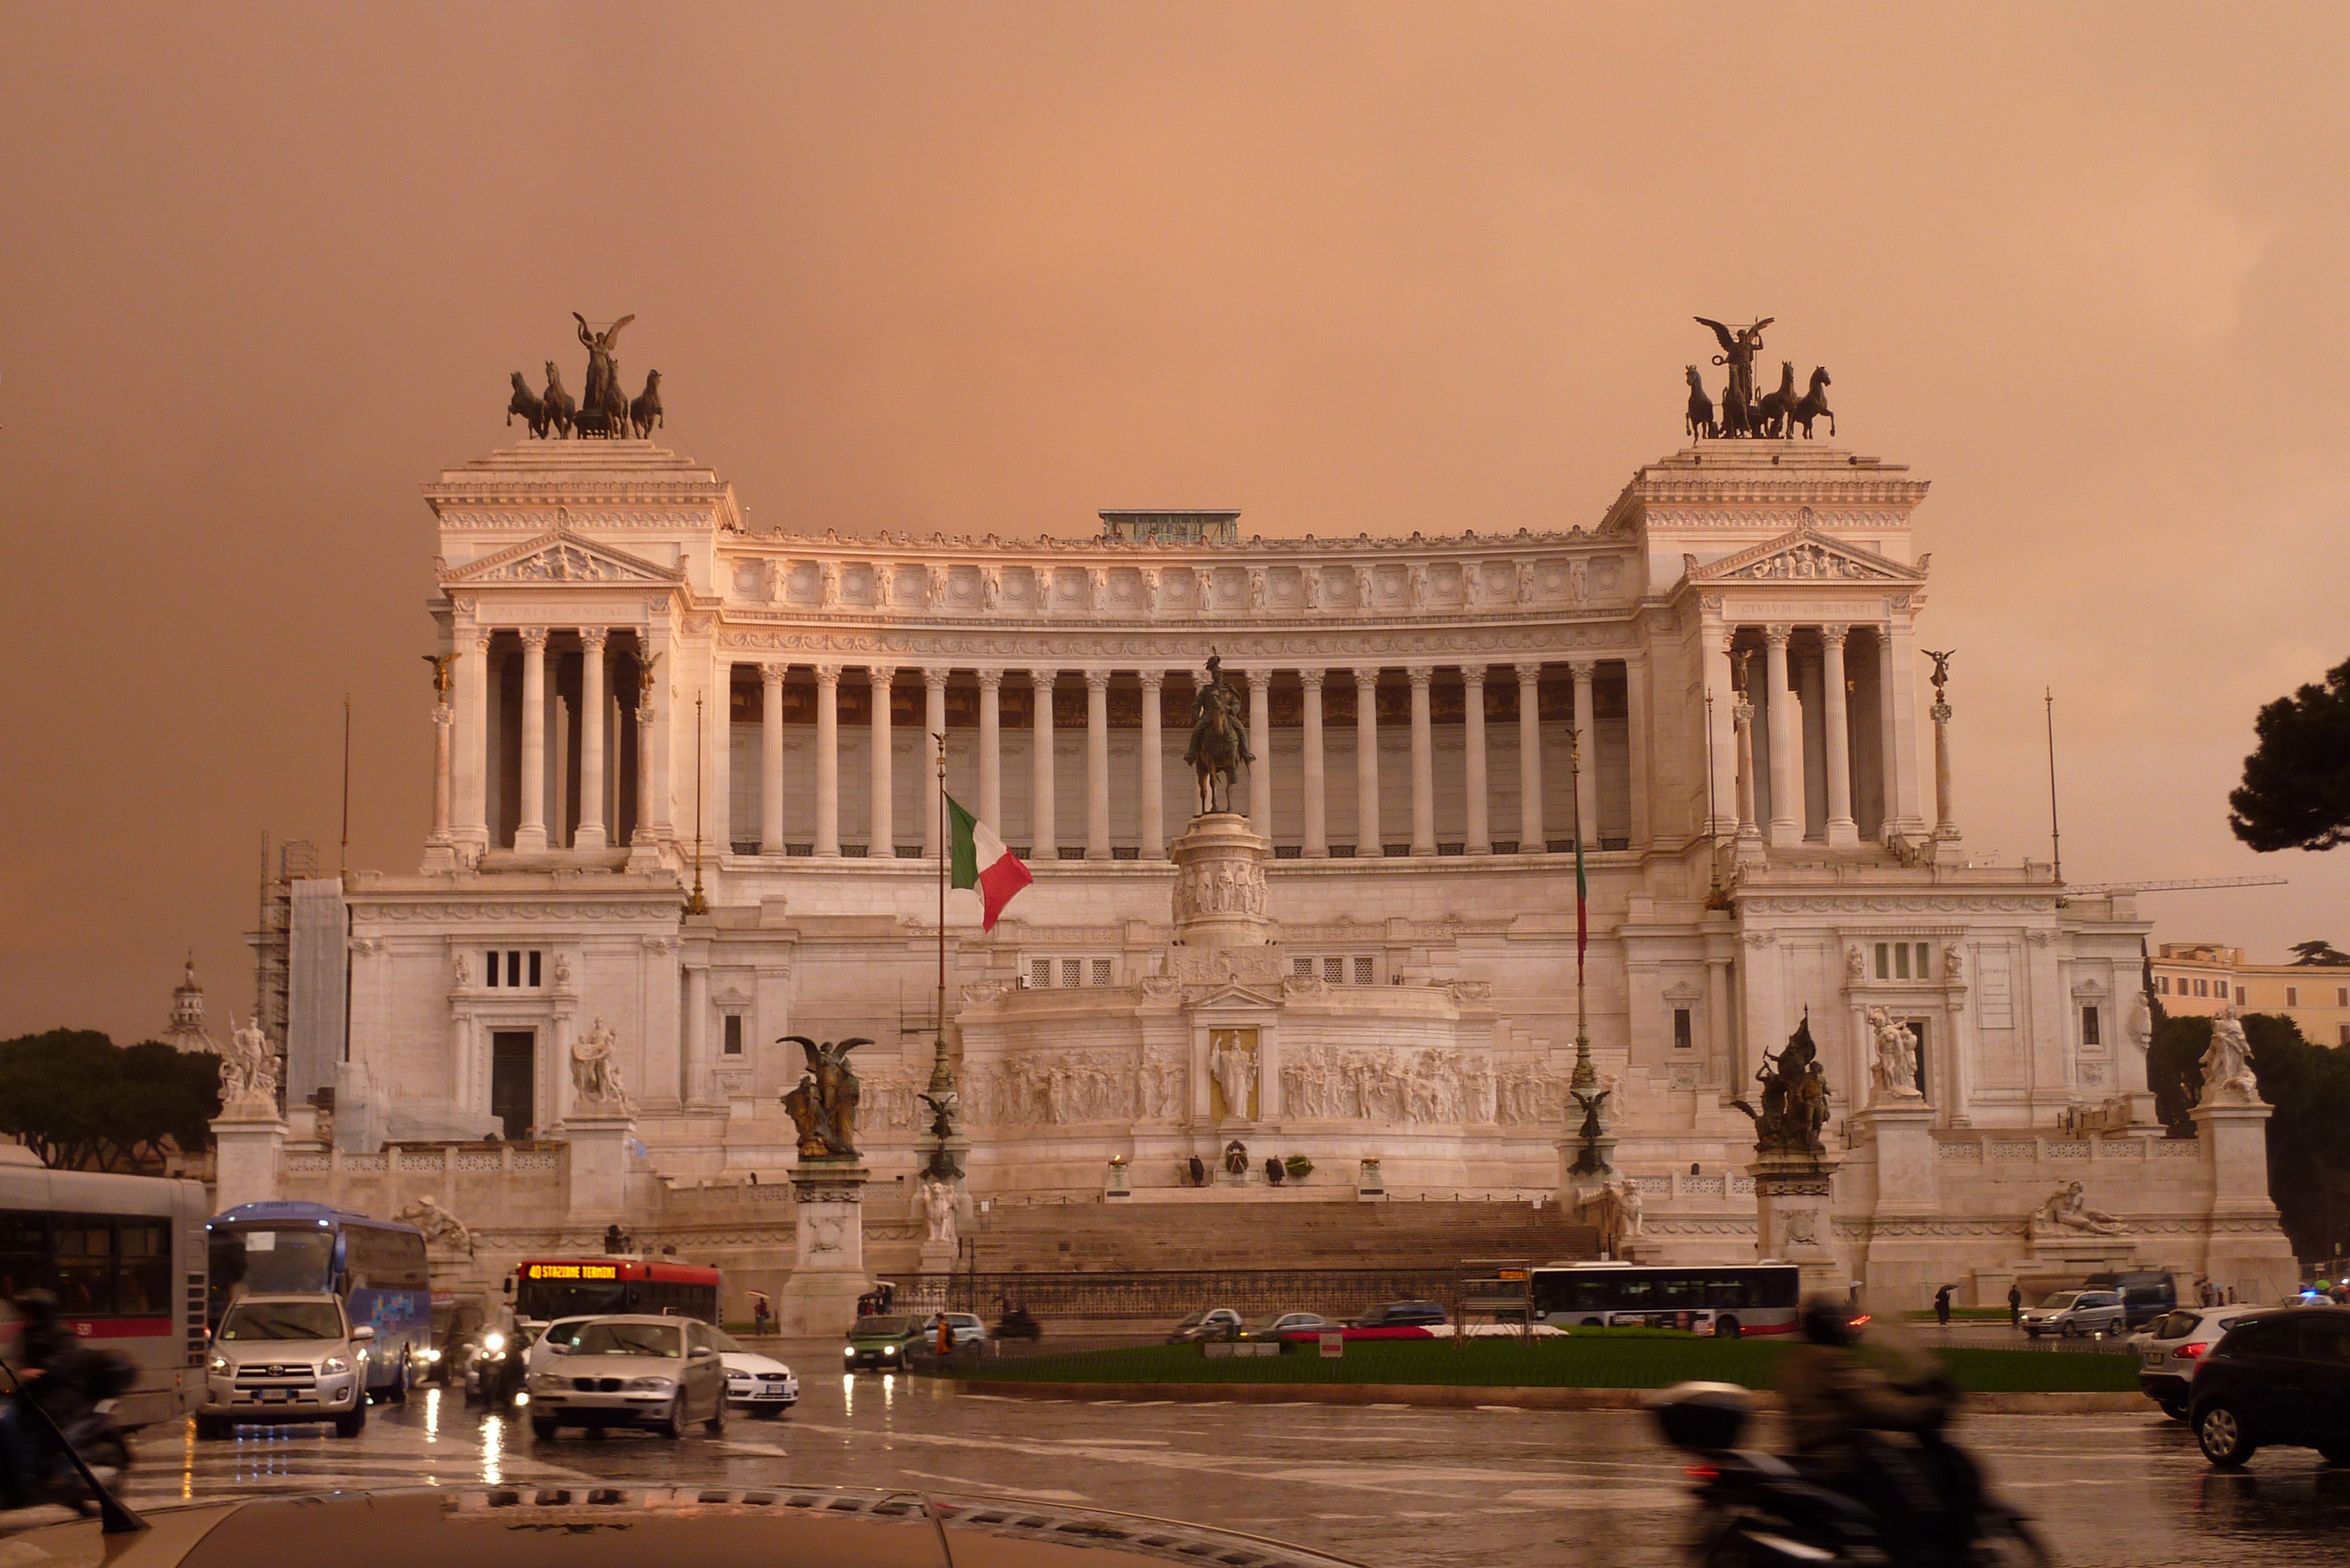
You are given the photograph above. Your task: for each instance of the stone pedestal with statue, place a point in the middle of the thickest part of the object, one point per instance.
(1794, 1214)
(828, 1252)
(2244, 1246)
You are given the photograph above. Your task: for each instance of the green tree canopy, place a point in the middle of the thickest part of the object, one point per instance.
(81, 1102)
(2320, 952)
(2296, 788)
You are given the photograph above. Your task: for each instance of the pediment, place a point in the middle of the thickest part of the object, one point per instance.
(1233, 998)
(560, 556)
(1805, 555)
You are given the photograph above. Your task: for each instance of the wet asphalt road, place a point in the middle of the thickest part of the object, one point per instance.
(1387, 1485)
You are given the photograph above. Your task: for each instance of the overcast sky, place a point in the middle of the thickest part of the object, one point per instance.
(991, 268)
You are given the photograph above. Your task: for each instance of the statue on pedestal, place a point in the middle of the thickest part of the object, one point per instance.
(823, 1108)
(249, 1071)
(595, 1070)
(2227, 1064)
(1219, 738)
(1795, 1098)
(939, 1211)
(2067, 1209)
(1894, 1062)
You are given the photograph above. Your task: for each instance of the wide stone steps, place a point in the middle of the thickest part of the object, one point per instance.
(1101, 1237)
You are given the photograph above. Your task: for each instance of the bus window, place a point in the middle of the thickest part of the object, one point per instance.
(24, 1253)
(1727, 1292)
(263, 1261)
(85, 1253)
(1679, 1292)
(1775, 1287)
(384, 1260)
(143, 1276)
(1634, 1292)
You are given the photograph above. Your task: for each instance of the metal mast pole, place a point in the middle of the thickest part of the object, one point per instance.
(695, 904)
(2055, 838)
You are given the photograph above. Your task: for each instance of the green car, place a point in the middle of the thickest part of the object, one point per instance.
(885, 1341)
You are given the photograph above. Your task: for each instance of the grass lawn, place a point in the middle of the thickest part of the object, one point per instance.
(1611, 1358)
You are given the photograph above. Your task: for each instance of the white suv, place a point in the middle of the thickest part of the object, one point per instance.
(2173, 1346)
(2070, 1312)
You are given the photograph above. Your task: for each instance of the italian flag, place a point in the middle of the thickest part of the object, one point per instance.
(980, 861)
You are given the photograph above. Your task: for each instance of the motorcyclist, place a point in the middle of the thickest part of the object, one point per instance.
(1850, 1428)
(43, 1347)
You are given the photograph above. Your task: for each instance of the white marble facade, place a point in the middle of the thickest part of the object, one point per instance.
(1441, 716)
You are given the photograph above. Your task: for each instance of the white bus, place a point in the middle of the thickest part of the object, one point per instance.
(124, 1255)
(1731, 1300)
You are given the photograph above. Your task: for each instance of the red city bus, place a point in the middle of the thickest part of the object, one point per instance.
(549, 1288)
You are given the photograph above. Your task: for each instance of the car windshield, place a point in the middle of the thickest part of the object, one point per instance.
(656, 1339)
(2062, 1300)
(249, 1320)
(1195, 1320)
(726, 1343)
(882, 1327)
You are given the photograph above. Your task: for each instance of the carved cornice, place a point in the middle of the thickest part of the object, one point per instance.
(1172, 649)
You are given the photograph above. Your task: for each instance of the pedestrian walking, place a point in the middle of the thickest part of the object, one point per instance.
(1942, 1306)
(2015, 1306)
(760, 1318)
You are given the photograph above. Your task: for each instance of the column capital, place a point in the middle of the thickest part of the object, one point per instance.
(644, 715)
(935, 680)
(1152, 679)
(592, 637)
(1258, 680)
(1582, 668)
(1529, 672)
(880, 676)
(1777, 633)
(988, 679)
(826, 674)
(1421, 676)
(1365, 680)
(534, 637)
(1472, 675)
(442, 714)
(773, 674)
(1834, 633)
(1311, 678)
(1097, 680)
(1043, 678)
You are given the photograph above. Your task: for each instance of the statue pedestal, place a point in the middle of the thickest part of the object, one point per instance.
(937, 1258)
(2244, 1247)
(828, 1263)
(248, 1141)
(599, 1167)
(1220, 891)
(1794, 1219)
(1577, 1187)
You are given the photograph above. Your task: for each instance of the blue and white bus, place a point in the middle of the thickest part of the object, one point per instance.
(1730, 1300)
(376, 1266)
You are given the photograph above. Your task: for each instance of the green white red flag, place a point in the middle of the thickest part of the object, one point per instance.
(980, 860)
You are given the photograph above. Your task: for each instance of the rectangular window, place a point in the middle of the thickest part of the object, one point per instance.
(490, 968)
(1333, 970)
(1302, 968)
(1925, 971)
(1681, 1031)
(2239, 996)
(1040, 973)
(2292, 996)
(2202, 988)
(2341, 995)
(733, 1043)
(1362, 971)
(1071, 971)
(1901, 960)
(1884, 969)
(2345, 1030)
(514, 967)
(1101, 971)
(533, 967)
(2089, 1027)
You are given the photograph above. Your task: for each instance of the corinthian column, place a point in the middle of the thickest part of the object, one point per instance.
(1318, 832)
(444, 721)
(642, 833)
(590, 833)
(1423, 762)
(990, 749)
(1786, 742)
(771, 759)
(1472, 742)
(1367, 765)
(882, 835)
(1530, 840)
(1587, 778)
(934, 724)
(1153, 761)
(469, 767)
(530, 829)
(1842, 832)
(1042, 828)
(1260, 685)
(1097, 764)
(828, 761)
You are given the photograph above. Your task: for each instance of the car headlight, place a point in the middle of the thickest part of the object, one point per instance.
(650, 1385)
(548, 1382)
(218, 1364)
(493, 1342)
(850, 1351)
(334, 1365)
(429, 1356)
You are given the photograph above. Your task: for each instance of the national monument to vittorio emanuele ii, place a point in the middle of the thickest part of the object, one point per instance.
(1715, 684)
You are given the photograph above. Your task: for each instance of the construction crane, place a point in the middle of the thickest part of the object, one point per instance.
(2174, 885)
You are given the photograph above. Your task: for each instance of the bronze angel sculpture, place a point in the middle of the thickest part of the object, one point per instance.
(823, 1108)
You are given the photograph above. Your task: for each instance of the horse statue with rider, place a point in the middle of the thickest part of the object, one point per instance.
(1219, 739)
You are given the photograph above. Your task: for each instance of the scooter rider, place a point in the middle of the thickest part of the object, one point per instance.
(43, 1349)
(1836, 1408)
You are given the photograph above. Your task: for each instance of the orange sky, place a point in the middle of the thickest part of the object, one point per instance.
(993, 267)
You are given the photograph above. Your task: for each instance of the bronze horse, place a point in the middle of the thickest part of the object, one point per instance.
(1701, 409)
(1772, 411)
(1814, 405)
(1219, 745)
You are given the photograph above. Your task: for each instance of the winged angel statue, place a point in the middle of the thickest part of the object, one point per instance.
(823, 1107)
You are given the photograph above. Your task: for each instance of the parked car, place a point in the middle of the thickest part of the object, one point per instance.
(883, 1340)
(1403, 1315)
(1282, 1325)
(969, 1331)
(757, 1384)
(1208, 1323)
(1016, 1324)
(277, 1360)
(2146, 1295)
(631, 1371)
(2070, 1312)
(2173, 1348)
(2280, 1378)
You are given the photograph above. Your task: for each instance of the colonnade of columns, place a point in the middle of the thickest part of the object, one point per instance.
(1805, 698)
(462, 785)
(1042, 829)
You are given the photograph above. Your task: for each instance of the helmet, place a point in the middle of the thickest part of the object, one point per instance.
(1827, 1321)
